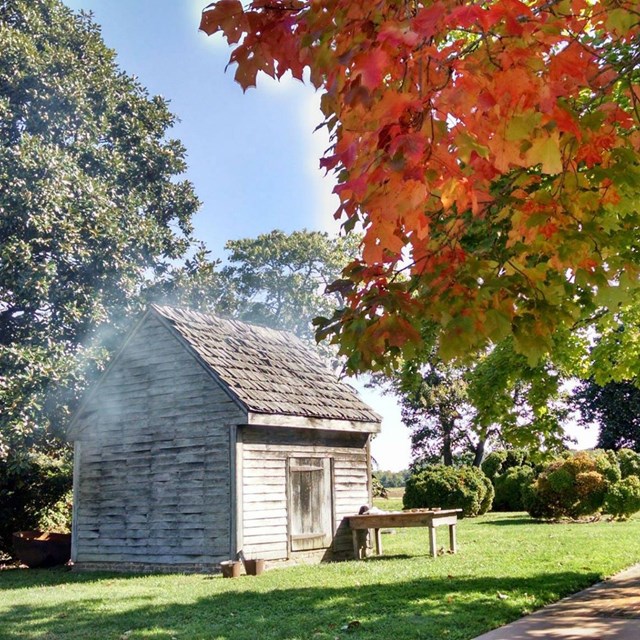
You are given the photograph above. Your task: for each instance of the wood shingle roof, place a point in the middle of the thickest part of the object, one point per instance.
(269, 371)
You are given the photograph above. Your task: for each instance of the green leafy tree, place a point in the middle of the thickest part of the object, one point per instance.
(524, 405)
(499, 398)
(276, 279)
(280, 279)
(435, 406)
(615, 355)
(608, 395)
(92, 211)
(614, 408)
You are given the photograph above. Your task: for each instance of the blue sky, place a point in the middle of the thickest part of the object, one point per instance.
(253, 157)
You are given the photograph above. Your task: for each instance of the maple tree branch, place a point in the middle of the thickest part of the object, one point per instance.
(549, 5)
(635, 102)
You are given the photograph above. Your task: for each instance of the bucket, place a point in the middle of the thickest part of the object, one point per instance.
(254, 567)
(231, 568)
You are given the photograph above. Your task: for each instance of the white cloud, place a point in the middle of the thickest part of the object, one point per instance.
(325, 202)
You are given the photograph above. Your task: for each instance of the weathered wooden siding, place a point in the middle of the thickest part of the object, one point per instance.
(154, 469)
(264, 463)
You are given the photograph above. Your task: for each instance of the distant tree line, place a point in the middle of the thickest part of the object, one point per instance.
(392, 479)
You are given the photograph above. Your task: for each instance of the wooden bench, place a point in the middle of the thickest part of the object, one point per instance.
(415, 518)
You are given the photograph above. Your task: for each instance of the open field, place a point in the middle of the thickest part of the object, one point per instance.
(405, 594)
(394, 493)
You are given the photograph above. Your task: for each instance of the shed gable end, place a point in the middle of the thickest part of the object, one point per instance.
(153, 461)
(154, 362)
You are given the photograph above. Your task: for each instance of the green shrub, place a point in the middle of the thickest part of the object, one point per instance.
(378, 490)
(573, 485)
(487, 501)
(607, 464)
(57, 517)
(629, 462)
(500, 461)
(464, 488)
(34, 494)
(623, 498)
(510, 489)
(492, 464)
(533, 501)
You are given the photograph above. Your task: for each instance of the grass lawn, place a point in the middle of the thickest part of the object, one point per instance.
(404, 595)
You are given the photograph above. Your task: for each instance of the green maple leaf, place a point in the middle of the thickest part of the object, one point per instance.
(521, 127)
(546, 151)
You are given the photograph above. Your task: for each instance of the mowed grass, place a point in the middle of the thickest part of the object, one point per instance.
(404, 595)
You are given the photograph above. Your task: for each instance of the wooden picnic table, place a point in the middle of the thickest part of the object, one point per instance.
(430, 518)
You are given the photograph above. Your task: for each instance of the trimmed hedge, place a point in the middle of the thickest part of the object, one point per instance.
(500, 461)
(511, 488)
(465, 488)
(573, 485)
(623, 498)
(629, 462)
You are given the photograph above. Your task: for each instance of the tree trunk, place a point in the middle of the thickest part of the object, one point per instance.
(479, 454)
(447, 454)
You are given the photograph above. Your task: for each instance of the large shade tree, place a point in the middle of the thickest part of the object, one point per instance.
(92, 210)
(455, 412)
(435, 405)
(280, 279)
(614, 409)
(276, 279)
(489, 149)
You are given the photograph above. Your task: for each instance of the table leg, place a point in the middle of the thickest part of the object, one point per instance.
(378, 542)
(356, 546)
(432, 541)
(452, 538)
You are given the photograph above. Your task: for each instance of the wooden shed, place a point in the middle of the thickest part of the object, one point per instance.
(206, 437)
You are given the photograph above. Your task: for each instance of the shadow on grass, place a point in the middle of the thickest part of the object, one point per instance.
(12, 579)
(442, 607)
(390, 556)
(513, 521)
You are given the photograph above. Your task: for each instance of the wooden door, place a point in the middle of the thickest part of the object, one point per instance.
(310, 503)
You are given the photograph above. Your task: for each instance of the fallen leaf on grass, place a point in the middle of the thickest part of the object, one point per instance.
(502, 596)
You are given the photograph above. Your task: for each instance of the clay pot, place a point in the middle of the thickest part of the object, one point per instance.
(231, 568)
(254, 567)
